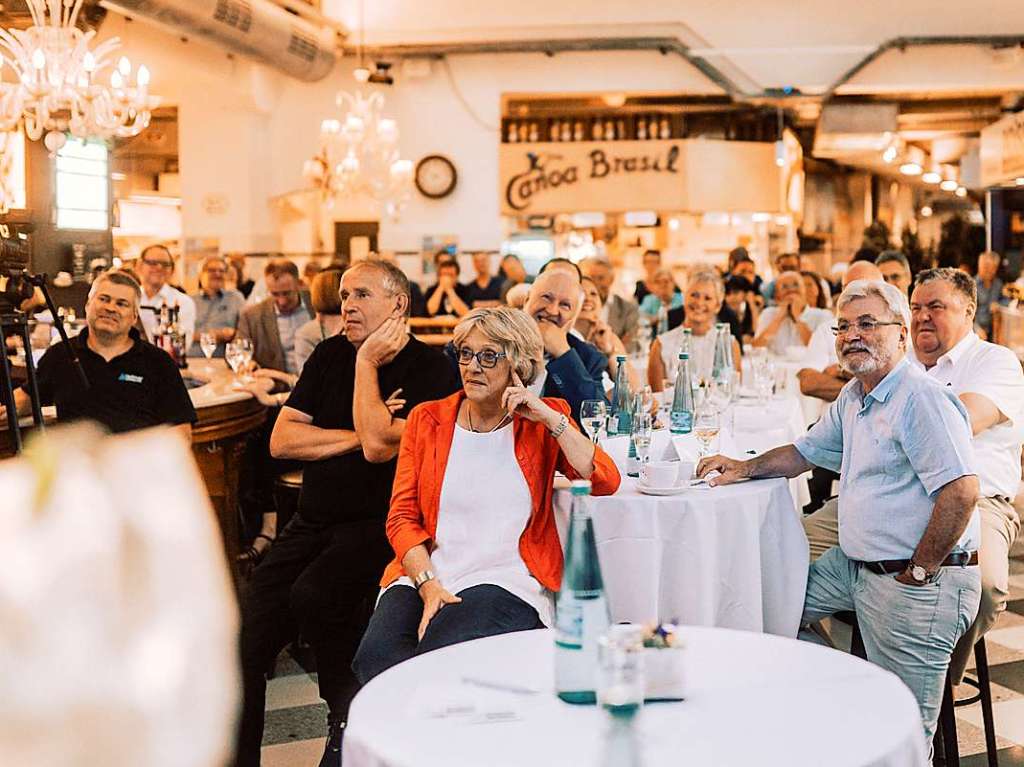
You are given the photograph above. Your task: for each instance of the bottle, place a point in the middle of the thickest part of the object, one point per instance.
(577, 131)
(665, 129)
(513, 135)
(598, 132)
(720, 364)
(687, 344)
(566, 131)
(534, 133)
(553, 132)
(662, 319)
(621, 399)
(681, 415)
(176, 338)
(581, 609)
(633, 454)
(641, 129)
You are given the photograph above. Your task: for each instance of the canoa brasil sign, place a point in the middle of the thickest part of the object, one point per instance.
(592, 175)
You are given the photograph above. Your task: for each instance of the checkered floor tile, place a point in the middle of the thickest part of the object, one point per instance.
(296, 717)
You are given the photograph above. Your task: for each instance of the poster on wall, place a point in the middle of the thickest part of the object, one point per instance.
(435, 243)
(607, 176)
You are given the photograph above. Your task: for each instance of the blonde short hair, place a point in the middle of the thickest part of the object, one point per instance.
(514, 331)
(706, 273)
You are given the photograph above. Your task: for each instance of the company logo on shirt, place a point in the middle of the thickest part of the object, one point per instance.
(130, 378)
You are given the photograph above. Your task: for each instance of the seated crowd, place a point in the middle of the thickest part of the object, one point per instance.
(920, 427)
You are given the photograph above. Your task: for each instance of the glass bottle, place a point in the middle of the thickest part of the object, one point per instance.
(513, 134)
(720, 365)
(681, 415)
(621, 400)
(633, 454)
(598, 132)
(581, 609)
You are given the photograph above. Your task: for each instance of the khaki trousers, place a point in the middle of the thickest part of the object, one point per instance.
(999, 527)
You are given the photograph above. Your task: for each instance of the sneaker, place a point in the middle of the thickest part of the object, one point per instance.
(332, 749)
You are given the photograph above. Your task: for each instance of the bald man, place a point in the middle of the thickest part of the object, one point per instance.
(573, 368)
(822, 378)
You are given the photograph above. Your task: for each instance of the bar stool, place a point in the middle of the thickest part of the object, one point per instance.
(287, 489)
(945, 747)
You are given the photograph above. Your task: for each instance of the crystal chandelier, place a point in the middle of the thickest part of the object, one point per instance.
(359, 155)
(64, 86)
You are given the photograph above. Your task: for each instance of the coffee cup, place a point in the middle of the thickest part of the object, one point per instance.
(662, 473)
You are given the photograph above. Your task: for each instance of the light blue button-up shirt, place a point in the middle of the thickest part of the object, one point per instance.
(894, 449)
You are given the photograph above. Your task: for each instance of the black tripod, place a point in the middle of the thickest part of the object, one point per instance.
(12, 318)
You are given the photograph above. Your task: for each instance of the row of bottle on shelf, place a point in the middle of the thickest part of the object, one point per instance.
(633, 128)
(169, 334)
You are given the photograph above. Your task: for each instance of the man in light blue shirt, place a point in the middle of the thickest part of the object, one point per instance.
(908, 527)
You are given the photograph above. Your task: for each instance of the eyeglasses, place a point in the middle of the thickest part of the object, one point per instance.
(863, 326)
(161, 264)
(487, 358)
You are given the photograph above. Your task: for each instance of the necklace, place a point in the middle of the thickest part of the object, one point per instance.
(469, 416)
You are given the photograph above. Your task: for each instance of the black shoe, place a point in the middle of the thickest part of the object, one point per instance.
(332, 749)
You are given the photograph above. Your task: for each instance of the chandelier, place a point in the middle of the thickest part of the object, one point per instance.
(62, 85)
(359, 155)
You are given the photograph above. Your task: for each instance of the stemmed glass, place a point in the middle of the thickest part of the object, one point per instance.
(643, 428)
(593, 413)
(208, 343)
(244, 351)
(706, 425)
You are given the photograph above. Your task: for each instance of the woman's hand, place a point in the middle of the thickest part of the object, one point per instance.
(276, 375)
(434, 597)
(518, 399)
(260, 388)
(604, 339)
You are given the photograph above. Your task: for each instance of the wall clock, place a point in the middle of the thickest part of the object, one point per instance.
(436, 176)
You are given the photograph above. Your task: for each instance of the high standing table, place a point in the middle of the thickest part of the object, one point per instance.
(751, 699)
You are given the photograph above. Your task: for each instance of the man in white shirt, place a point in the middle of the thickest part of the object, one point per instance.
(155, 267)
(988, 380)
(791, 322)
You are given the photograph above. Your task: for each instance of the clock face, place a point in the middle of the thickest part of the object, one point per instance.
(435, 176)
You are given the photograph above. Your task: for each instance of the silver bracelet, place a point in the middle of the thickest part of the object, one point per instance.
(563, 424)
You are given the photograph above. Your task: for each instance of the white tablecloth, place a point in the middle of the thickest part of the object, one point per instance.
(752, 699)
(733, 556)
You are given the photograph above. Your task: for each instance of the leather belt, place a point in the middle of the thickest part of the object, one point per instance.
(895, 566)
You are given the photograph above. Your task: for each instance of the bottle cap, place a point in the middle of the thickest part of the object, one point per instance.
(620, 357)
(580, 487)
(684, 355)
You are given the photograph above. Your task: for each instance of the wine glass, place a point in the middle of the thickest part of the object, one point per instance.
(232, 356)
(764, 381)
(706, 424)
(208, 343)
(643, 428)
(243, 348)
(593, 413)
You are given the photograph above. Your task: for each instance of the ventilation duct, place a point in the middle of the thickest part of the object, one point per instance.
(258, 29)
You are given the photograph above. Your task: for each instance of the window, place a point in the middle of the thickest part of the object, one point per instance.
(82, 186)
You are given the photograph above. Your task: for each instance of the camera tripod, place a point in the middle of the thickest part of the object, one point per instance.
(12, 318)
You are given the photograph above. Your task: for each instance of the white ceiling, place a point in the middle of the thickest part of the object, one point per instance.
(807, 44)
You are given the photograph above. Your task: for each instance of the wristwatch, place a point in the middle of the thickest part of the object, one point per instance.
(426, 575)
(918, 573)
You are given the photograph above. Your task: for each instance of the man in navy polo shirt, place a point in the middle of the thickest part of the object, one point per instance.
(132, 384)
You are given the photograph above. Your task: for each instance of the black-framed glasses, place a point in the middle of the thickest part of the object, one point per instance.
(864, 326)
(487, 358)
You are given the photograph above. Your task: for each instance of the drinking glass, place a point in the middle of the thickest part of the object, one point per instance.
(620, 661)
(593, 415)
(642, 434)
(208, 343)
(244, 352)
(764, 381)
(706, 425)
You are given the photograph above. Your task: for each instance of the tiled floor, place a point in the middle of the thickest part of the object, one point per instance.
(295, 728)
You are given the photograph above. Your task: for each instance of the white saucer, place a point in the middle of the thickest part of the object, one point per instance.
(673, 490)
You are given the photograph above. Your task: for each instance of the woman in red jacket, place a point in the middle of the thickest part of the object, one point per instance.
(476, 548)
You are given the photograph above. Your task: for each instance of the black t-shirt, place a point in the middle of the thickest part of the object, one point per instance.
(137, 389)
(445, 307)
(491, 292)
(348, 488)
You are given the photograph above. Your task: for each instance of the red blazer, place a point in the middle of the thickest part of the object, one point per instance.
(423, 460)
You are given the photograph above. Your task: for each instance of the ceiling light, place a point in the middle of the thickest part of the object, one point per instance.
(932, 177)
(614, 100)
(949, 185)
(1019, 181)
(926, 211)
(961, 191)
(911, 169)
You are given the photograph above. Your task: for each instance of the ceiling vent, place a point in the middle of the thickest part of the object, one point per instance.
(258, 29)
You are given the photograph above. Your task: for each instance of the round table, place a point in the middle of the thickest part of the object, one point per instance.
(752, 699)
(733, 556)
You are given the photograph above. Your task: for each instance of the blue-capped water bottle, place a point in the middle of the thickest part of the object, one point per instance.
(581, 609)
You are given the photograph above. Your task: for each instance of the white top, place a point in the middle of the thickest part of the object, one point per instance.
(821, 349)
(186, 317)
(787, 334)
(485, 506)
(702, 352)
(978, 367)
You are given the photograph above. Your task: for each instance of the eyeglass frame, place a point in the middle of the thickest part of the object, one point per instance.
(161, 264)
(477, 357)
(864, 326)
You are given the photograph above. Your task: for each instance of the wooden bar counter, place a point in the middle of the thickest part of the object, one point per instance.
(226, 416)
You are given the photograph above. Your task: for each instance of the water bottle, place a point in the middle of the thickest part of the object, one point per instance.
(662, 319)
(723, 371)
(581, 609)
(633, 455)
(622, 421)
(687, 344)
(681, 415)
(719, 363)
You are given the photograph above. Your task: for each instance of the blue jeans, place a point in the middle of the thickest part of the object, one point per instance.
(908, 630)
(484, 611)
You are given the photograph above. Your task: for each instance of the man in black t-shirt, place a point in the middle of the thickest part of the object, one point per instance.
(321, 575)
(132, 384)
